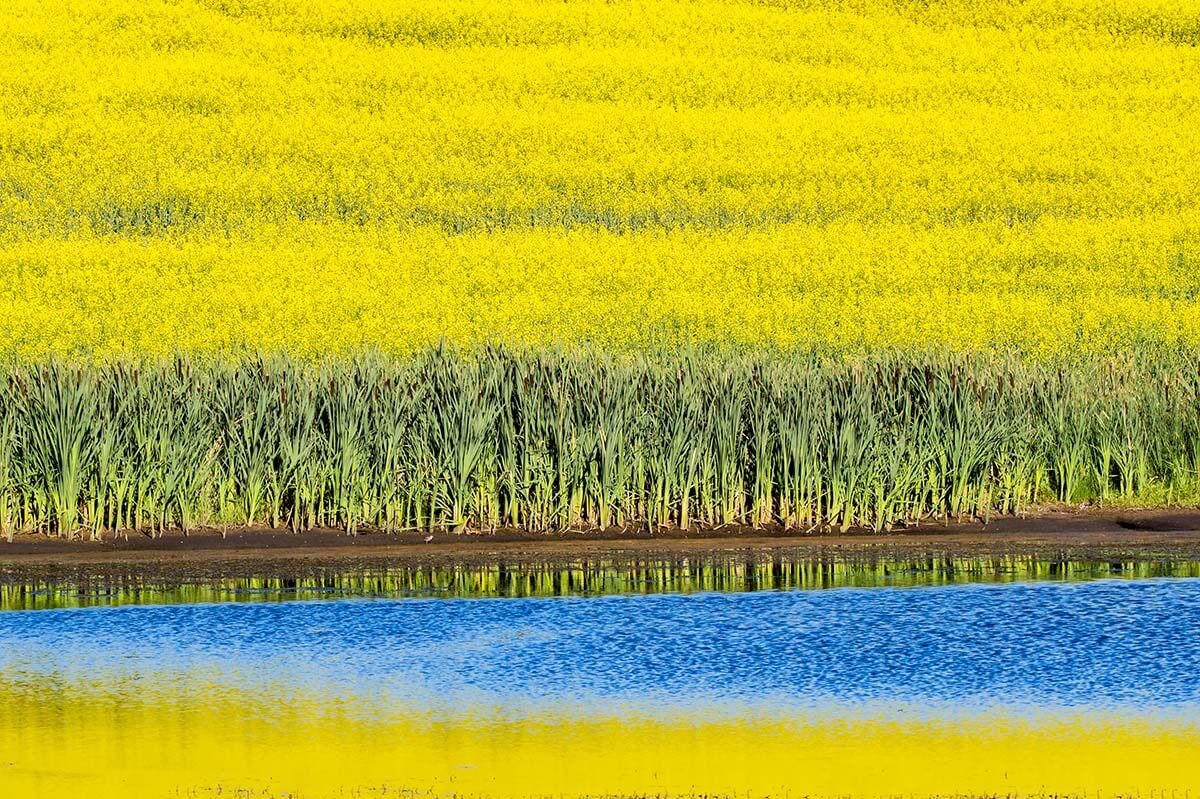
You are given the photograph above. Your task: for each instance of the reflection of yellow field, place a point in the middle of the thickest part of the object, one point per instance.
(90, 744)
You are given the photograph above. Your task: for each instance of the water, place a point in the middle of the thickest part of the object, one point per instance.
(1022, 688)
(725, 571)
(1119, 645)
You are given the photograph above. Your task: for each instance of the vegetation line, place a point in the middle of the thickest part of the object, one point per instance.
(545, 439)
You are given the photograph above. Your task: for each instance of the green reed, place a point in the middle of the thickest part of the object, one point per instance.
(553, 439)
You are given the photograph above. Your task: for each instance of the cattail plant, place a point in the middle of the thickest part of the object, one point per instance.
(551, 439)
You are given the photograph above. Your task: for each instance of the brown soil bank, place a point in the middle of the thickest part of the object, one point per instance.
(1074, 533)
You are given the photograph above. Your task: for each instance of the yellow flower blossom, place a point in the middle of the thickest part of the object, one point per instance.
(322, 175)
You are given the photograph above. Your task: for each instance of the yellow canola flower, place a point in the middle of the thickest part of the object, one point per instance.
(323, 175)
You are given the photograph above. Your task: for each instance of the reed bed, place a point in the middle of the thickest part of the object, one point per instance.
(546, 440)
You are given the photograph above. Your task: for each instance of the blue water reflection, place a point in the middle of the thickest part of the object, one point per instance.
(1117, 644)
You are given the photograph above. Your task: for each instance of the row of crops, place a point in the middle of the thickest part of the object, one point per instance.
(551, 439)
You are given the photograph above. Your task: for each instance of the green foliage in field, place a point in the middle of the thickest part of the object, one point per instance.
(552, 439)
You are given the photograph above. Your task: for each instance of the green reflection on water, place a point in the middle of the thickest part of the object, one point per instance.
(581, 577)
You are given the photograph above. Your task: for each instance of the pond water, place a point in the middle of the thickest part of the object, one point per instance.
(615, 573)
(1014, 688)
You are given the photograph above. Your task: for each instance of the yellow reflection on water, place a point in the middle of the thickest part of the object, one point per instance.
(98, 742)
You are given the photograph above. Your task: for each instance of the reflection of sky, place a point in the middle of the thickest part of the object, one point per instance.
(1109, 645)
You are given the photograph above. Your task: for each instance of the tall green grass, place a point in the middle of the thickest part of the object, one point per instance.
(551, 439)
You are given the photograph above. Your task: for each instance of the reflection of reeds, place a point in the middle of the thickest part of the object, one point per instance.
(551, 439)
(724, 572)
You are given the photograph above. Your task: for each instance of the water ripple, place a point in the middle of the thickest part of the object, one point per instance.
(1108, 644)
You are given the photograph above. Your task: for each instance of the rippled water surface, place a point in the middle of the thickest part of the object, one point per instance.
(1015, 688)
(1111, 643)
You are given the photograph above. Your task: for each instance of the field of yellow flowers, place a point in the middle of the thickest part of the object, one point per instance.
(317, 176)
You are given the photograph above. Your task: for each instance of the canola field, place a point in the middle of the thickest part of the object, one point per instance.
(323, 176)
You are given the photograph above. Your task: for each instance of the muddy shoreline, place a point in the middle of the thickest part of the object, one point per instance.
(1071, 532)
(255, 564)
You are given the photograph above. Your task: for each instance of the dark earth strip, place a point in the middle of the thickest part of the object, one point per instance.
(1068, 534)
